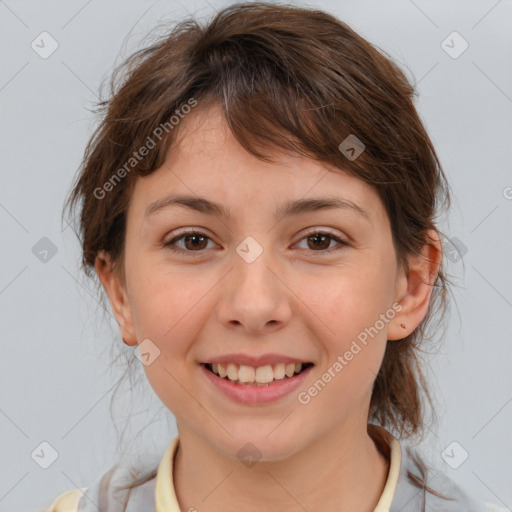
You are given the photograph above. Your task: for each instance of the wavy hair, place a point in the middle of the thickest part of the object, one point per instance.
(297, 80)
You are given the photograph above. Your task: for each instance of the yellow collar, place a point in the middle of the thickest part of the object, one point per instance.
(165, 494)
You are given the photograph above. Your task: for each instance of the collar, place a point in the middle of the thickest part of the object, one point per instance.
(165, 494)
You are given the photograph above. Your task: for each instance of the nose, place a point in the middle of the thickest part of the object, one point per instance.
(254, 296)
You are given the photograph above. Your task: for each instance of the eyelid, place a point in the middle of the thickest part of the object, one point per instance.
(188, 231)
(317, 230)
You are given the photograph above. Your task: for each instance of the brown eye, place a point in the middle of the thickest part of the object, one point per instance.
(196, 242)
(319, 241)
(193, 241)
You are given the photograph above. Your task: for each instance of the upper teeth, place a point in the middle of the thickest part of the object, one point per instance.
(261, 374)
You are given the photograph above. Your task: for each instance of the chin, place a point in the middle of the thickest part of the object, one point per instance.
(258, 446)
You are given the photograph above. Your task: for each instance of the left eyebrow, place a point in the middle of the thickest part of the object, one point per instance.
(297, 207)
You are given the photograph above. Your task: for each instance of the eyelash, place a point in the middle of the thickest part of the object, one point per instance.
(170, 243)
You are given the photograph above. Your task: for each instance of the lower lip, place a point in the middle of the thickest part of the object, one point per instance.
(256, 394)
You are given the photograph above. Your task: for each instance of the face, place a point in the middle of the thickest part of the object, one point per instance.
(256, 282)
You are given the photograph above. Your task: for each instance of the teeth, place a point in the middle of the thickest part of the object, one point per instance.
(247, 373)
(232, 372)
(262, 375)
(279, 371)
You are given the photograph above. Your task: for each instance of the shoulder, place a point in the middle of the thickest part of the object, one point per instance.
(108, 492)
(441, 493)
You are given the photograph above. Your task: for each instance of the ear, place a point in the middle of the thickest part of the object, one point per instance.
(116, 291)
(414, 287)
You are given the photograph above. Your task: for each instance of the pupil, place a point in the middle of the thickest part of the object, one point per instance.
(319, 236)
(195, 236)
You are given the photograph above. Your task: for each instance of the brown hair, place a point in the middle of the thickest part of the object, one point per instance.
(288, 78)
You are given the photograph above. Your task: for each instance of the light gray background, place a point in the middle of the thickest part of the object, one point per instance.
(55, 373)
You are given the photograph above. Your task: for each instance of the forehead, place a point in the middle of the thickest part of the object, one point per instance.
(206, 160)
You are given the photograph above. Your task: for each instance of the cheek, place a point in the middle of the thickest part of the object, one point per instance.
(348, 312)
(164, 306)
(350, 300)
(172, 307)
(167, 309)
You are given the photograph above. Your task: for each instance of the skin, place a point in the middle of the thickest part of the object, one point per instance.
(294, 299)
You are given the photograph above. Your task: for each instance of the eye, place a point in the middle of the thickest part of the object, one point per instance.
(320, 240)
(194, 241)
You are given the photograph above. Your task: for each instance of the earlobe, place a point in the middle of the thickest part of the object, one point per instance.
(414, 287)
(116, 292)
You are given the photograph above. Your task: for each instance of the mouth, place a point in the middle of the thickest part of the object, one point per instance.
(262, 376)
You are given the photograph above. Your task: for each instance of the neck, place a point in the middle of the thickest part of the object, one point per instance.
(343, 471)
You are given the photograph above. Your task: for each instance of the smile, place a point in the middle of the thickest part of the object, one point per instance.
(259, 376)
(253, 392)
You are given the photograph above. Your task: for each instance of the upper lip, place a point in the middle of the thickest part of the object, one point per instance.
(248, 360)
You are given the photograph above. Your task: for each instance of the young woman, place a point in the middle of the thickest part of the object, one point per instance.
(258, 203)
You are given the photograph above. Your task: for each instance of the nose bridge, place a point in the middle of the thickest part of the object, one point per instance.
(255, 296)
(253, 264)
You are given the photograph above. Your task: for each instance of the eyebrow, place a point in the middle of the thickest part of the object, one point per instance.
(297, 207)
